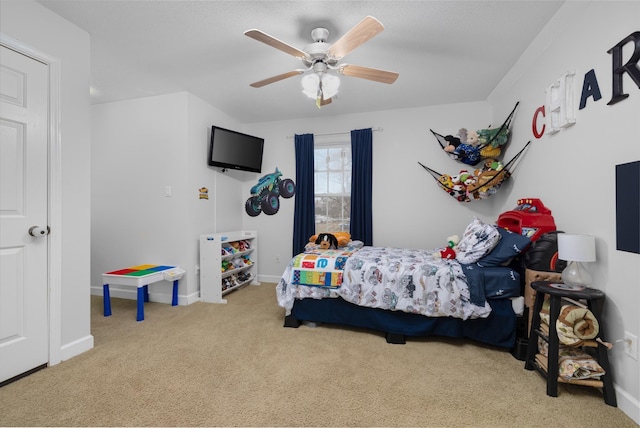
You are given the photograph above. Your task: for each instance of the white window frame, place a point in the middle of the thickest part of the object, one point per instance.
(326, 223)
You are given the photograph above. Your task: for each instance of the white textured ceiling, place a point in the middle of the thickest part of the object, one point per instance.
(445, 51)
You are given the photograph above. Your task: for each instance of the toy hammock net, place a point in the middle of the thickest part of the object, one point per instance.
(471, 147)
(479, 184)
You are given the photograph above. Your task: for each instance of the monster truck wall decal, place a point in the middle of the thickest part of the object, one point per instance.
(265, 195)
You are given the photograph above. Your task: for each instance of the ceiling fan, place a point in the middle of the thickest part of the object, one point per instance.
(321, 60)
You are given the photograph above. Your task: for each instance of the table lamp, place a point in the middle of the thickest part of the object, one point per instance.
(576, 250)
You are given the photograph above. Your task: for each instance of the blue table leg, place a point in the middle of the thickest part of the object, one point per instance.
(146, 293)
(141, 294)
(106, 300)
(174, 301)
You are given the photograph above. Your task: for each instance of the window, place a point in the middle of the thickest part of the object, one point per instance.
(332, 177)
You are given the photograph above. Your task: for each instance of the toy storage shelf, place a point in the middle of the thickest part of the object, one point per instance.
(223, 270)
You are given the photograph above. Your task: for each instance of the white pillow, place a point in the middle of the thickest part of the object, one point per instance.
(354, 245)
(478, 240)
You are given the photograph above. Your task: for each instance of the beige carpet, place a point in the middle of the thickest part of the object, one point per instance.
(235, 365)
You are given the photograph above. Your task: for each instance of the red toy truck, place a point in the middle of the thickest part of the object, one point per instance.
(530, 218)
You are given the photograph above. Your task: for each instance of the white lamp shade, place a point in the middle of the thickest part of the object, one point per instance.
(310, 84)
(576, 248)
(330, 85)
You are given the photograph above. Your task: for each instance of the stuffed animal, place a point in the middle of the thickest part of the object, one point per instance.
(472, 138)
(492, 174)
(327, 241)
(465, 177)
(446, 181)
(463, 147)
(492, 164)
(343, 238)
(448, 252)
(496, 136)
(490, 151)
(462, 133)
(453, 143)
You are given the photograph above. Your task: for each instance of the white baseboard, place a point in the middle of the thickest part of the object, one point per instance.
(131, 293)
(189, 299)
(269, 278)
(629, 405)
(76, 347)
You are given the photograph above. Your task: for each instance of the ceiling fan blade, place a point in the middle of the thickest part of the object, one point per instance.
(324, 102)
(374, 74)
(277, 78)
(360, 33)
(275, 43)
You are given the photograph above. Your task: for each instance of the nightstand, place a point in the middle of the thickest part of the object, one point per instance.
(548, 367)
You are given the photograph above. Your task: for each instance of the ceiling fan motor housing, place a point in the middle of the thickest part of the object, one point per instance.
(318, 50)
(319, 34)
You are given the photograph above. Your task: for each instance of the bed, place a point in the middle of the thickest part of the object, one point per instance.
(413, 292)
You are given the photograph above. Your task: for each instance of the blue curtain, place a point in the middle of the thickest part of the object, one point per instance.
(304, 215)
(361, 188)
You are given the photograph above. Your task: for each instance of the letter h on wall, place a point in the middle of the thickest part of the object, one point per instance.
(560, 104)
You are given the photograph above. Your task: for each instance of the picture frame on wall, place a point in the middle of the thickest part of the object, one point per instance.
(628, 207)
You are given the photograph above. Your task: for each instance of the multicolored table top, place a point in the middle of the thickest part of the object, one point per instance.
(141, 276)
(140, 270)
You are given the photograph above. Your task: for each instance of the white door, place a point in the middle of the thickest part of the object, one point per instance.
(24, 328)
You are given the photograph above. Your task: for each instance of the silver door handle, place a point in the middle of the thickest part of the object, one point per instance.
(38, 231)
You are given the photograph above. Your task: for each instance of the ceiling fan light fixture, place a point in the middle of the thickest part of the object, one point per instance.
(314, 82)
(310, 84)
(330, 85)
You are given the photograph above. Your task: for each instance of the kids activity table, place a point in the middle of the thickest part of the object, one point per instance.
(140, 277)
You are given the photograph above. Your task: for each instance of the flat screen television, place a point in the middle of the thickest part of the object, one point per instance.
(235, 150)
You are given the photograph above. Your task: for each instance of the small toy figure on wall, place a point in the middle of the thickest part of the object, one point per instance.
(204, 193)
(265, 194)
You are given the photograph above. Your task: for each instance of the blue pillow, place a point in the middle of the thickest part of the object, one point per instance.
(510, 245)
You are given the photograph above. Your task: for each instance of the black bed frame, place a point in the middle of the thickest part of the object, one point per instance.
(503, 328)
(499, 329)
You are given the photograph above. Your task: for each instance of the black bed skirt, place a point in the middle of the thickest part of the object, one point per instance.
(499, 329)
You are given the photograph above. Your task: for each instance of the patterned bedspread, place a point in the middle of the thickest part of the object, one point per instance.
(396, 279)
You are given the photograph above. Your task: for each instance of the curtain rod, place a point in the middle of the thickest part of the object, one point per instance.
(378, 129)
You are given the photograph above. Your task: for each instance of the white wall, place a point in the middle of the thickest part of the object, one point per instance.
(219, 212)
(41, 30)
(138, 151)
(141, 147)
(573, 171)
